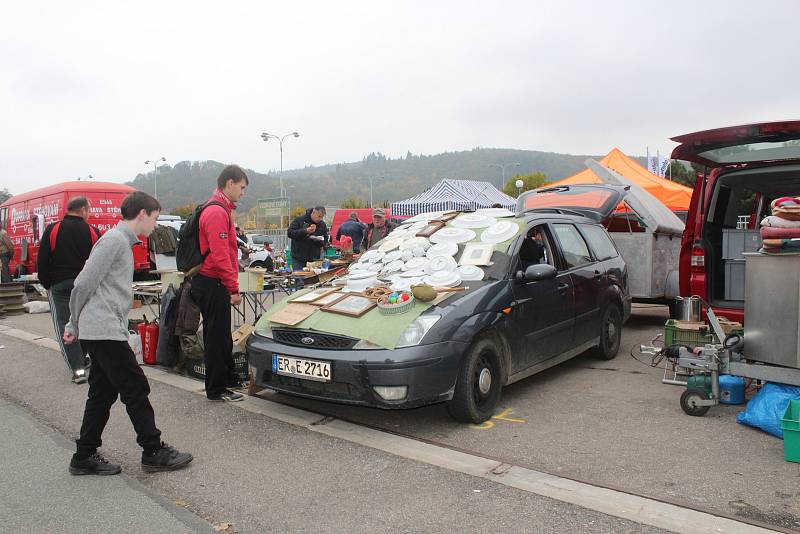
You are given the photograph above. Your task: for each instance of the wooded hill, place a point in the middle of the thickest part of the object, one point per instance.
(192, 182)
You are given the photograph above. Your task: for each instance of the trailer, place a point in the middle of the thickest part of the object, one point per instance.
(648, 237)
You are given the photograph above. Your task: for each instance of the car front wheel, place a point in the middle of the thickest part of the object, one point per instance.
(610, 333)
(479, 384)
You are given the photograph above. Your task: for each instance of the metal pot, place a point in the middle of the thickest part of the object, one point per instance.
(688, 309)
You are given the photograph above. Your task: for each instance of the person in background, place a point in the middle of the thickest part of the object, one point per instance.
(309, 235)
(532, 251)
(241, 243)
(58, 266)
(99, 305)
(354, 229)
(215, 288)
(379, 228)
(6, 253)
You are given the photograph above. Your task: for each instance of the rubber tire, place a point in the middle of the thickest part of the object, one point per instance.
(467, 404)
(608, 348)
(694, 411)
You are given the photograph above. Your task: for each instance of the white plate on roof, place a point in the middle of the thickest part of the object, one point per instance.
(441, 263)
(442, 249)
(470, 272)
(374, 267)
(495, 212)
(453, 235)
(368, 255)
(499, 232)
(411, 242)
(443, 279)
(392, 267)
(415, 263)
(417, 273)
(390, 244)
(400, 231)
(473, 220)
(392, 256)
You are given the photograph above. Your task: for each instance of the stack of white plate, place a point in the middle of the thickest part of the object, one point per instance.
(470, 272)
(393, 267)
(443, 279)
(441, 263)
(415, 263)
(371, 256)
(499, 232)
(453, 235)
(411, 242)
(442, 249)
(425, 217)
(390, 244)
(360, 280)
(392, 256)
(473, 220)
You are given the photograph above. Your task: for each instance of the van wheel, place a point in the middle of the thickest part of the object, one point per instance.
(610, 333)
(268, 264)
(478, 386)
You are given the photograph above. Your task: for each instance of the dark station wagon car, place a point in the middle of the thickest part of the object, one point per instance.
(529, 313)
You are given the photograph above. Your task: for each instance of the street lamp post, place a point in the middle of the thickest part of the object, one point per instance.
(266, 137)
(155, 173)
(371, 178)
(502, 168)
(520, 184)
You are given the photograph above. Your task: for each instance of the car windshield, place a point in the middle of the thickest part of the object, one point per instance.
(260, 239)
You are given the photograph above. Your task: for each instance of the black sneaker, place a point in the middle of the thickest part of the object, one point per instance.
(93, 465)
(167, 458)
(79, 376)
(228, 396)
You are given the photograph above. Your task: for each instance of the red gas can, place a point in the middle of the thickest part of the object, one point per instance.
(151, 343)
(142, 328)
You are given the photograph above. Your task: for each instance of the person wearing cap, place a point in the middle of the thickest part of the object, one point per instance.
(354, 229)
(379, 228)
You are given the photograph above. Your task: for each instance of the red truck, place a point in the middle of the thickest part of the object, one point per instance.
(25, 217)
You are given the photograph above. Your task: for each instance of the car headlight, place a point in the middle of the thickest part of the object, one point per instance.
(264, 331)
(416, 331)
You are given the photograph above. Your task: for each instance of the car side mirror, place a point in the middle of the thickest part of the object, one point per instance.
(534, 273)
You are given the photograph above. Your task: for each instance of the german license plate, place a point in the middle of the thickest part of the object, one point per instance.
(301, 368)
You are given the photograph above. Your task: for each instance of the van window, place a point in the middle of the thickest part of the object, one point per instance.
(574, 248)
(601, 244)
(3, 213)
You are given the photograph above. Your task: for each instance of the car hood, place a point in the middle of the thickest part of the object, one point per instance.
(748, 143)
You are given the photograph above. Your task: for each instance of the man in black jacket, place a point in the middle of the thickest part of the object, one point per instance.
(309, 235)
(58, 266)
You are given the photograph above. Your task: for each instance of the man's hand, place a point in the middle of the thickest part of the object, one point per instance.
(69, 338)
(236, 299)
(311, 229)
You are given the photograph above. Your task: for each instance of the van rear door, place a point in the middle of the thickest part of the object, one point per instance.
(749, 143)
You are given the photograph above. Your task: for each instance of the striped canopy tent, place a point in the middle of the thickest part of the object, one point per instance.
(449, 195)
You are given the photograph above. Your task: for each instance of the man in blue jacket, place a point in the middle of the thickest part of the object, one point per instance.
(354, 229)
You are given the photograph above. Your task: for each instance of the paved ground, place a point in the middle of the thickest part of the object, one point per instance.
(261, 475)
(610, 423)
(38, 495)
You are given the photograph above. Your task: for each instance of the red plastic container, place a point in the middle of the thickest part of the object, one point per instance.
(141, 328)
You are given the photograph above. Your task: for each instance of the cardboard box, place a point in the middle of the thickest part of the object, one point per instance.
(240, 336)
(252, 280)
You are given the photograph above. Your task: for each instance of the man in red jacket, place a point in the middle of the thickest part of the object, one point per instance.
(216, 286)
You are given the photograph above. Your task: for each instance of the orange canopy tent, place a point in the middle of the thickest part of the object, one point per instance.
(672, 194)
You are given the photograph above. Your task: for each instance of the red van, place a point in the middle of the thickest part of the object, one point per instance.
(25, 217)
(746, 168)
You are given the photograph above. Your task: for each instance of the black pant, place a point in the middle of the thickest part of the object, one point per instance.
(59, 294)
(214, 302)
(5, 275)
(115, 372)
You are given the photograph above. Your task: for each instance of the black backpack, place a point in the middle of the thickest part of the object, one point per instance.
(188, 255)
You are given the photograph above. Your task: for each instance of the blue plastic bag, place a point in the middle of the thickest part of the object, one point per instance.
(764, 411)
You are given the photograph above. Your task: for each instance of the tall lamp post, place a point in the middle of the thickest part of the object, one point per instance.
(371, 178)
(502, 168)
(155, 173)
(266, 137)
(520, 184)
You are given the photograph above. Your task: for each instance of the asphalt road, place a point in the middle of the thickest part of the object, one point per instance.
(260, 475)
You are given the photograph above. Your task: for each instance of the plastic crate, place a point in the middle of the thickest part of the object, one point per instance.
(197, 369)
(734, 279)
(677, 336)
(790, 424)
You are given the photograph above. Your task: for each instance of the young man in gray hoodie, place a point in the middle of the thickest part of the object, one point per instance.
(99, 305)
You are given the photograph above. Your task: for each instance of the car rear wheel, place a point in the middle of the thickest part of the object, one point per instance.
(266, 264)
(610, 333)
(479, 384)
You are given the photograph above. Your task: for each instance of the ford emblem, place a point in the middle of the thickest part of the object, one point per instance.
(307, 340)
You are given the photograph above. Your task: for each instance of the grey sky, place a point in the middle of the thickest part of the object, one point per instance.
(98, 87)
